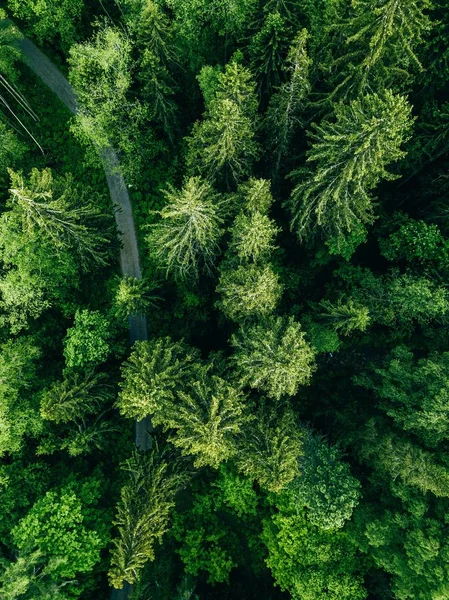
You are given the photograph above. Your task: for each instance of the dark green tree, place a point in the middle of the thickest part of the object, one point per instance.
(143, 513)
(351, 152)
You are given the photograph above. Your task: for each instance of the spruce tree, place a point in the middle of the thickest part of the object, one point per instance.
(284, 111)
(154, 373)
(185, 242)
(351, 152)
(378, 45)
(270, 448)
(207, 416)
(63, 213)
(143, 513)
(223, 145)
(344, 317)
(248, 290)
(272, 356)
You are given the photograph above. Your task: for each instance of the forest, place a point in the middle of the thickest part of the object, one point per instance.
(224, 299)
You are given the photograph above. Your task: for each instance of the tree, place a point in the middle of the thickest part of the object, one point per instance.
(267, 49)
(48, 18)
(143, 513)
(186, 239)
(397, 457)
(75, 396)
(19, 415)
(206, 416)
(63, 213)
(414, 393)
(286, 104)
(381, 39)
(273, 356)
(87, 343)
(344, 317)
(309, 562)
(248, 290)
(11, 148)
(223, 145)
(395, 298)
(64, 525)
(270, 449)
(153, 374)
(325, 485)
(29, 578)
(252, 237)
(134, 297)
(351, 153)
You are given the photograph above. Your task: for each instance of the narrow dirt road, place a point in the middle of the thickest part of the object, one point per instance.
(129, 253)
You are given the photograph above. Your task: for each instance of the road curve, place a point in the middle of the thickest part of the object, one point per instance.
(129, 253)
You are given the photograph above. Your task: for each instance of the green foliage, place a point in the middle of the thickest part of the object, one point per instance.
(267, 50)
(344, 317)
(11, 148)
(252, 237)
(134, 297)
(143, 513)
(186, 239)
(74, 397)
(206, 416)
(416, 240)
(248, 291)
(30, 578)
(401, 458)
(64, 213)
(325, 485)
(223, 145)
(309, 562)
(415, 393)
(87, 343)
(19, 415)
(273, 356)
(153, 374)
(283, 115)
(270, 449)
(208, 529)
(49, 18)
(60, 526)
(394, 298)
(351, 152)
(378, 47)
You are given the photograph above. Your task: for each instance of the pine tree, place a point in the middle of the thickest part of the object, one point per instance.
(272, 356)
(153, 375)
(252, 237)
(351, 152)
(134, 297)
(143, 513)
(248, 290)
(207, 416)
(270, 449)
(267, 49)
(344, 317)
(286, 104)
(382, 38)
(75, 396)
(64, 214)
(186, 239)
(223, 145)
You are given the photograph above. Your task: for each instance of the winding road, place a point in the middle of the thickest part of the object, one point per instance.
(129, 253)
